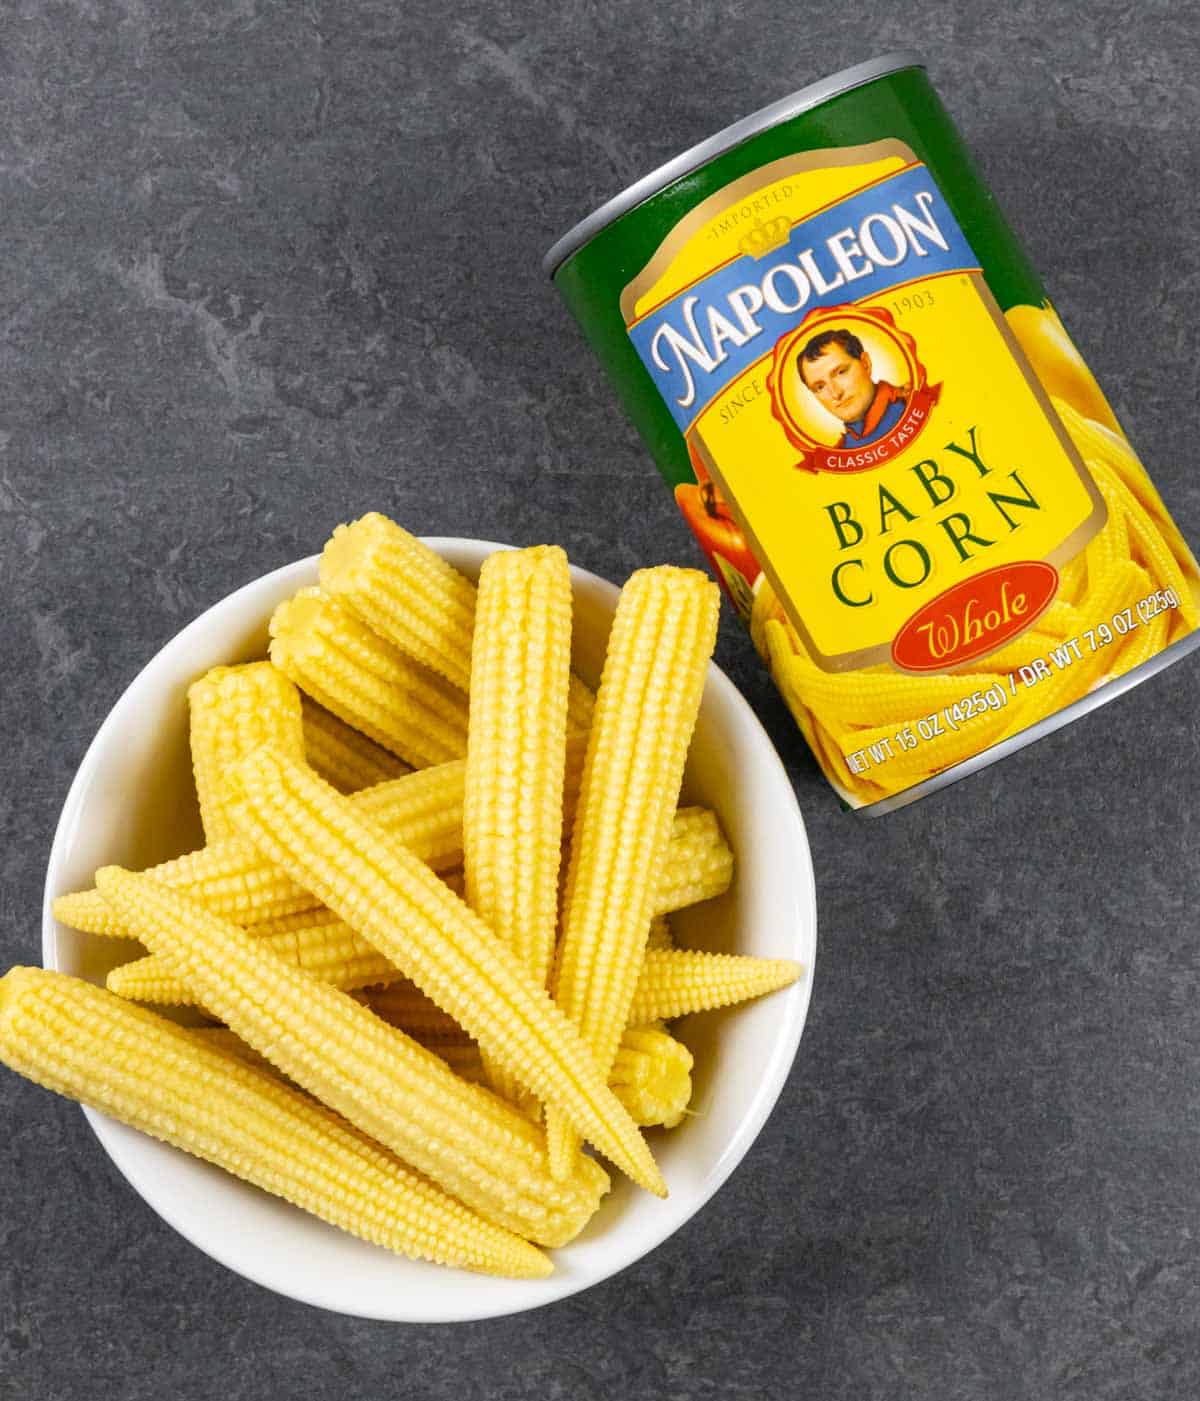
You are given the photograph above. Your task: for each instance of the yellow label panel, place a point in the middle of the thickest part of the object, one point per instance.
(922, 506)
(988, 479)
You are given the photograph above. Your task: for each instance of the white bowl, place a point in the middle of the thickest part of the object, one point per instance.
(132, 803)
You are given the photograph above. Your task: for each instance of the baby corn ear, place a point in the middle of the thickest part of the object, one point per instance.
(662, 637)
(675, 982)
(335, 658)
(405, 591)
(232, 879)
(517, 749)
(698, 865)
(471, 1143)
(232, 710)
(389, 896)
(652, 1076)
(516, 755)
(404, 1005)
(90, 913)
(651, 1073)
(84, 1043)
(323, 946)
(423, 810)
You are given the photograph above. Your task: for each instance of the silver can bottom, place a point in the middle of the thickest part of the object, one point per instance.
(1109, 690)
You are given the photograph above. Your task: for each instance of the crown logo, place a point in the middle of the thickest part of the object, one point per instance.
(764, 236)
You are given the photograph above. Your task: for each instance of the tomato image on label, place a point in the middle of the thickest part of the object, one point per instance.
(721, 539)
(975, 617)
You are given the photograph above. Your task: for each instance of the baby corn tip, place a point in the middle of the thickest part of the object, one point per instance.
(64, 906)
(531, 1263)
(10, 983)
(646, 1172)
(784, 972)
(113, 879)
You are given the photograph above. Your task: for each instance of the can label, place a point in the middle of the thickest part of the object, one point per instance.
(922, 505)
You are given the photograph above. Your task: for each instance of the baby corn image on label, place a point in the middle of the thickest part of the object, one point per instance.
(920, 503)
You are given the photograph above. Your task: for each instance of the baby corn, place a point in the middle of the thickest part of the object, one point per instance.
(516, 755)
(325, 947)
(698, 865)
(405, 591)
(424, 811)
(516, 750)
(336, 659)
(674, 982)
(657, 1096)
(651, 1073)
(84, 1043)
(232, 710)
(233, 880)
(342, 756)
(652, 1076)
(318, 942)
(393, 899)
(662, 637)
(467, 1140)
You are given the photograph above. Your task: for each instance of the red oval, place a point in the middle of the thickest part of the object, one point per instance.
(975, 617)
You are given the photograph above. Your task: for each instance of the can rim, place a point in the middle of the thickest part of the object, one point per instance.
(802, 100)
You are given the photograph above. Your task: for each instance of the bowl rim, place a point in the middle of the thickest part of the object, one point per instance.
(776, 1068)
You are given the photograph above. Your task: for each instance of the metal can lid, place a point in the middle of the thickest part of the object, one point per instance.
(791, 106)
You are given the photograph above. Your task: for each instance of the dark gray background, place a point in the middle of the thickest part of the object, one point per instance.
(265, 266)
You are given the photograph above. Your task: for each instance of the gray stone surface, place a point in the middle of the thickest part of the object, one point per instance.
(266, 265)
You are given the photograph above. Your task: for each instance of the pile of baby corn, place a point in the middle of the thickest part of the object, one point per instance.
(429, 924)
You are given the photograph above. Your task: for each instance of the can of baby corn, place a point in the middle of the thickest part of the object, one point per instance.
(896, 461)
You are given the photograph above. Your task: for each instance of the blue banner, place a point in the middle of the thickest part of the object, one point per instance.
(895, 231)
